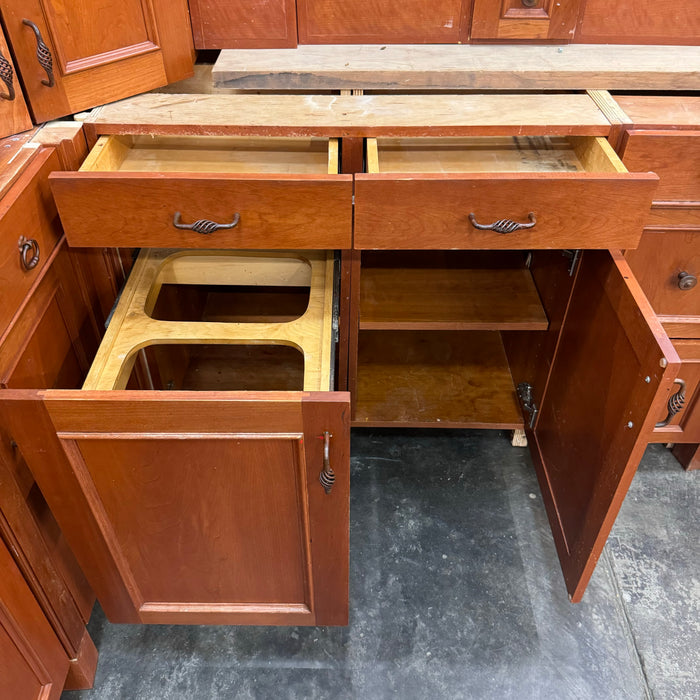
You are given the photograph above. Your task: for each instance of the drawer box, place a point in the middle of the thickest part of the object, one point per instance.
(571, 192)
(673, 155)
(142, 191)
(28, 233)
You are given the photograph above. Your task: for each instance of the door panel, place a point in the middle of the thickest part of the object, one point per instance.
(198, 508)
(611, 376)
(96, 51)
(14, 116)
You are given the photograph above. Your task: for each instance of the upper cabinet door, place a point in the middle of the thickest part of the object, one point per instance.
(14, 116)
(75, 54)
(390, 21)
(515, 20)
(242, 24)
(611, 377)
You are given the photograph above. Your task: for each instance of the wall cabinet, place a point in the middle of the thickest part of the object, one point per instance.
(73, 56)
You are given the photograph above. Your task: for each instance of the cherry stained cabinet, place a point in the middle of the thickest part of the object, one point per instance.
(518, 20)
(242, 24)
(75, 54)
(14, 115)
(33, 665)
(197, 507)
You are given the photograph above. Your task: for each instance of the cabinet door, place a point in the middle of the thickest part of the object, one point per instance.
(394, 21)
(75, 55)
(242, 24)
(14, 116)
(524, 19)
(197, 508)
(33, 665)
(610, 379)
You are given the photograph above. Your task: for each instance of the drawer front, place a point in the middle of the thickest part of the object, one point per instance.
(673, 155)
(138, 210)
(667, 265)
(27, 212)
(433, 211)
(684, 426)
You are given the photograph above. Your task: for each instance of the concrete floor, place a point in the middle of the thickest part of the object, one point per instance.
(456, 592)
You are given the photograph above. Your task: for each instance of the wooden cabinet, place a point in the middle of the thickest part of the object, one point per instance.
(517, 20)
(48, 335)
(241, 24)
(396, 21)
(14, 115)
(663, 134)
(33, 665)
(75, 55)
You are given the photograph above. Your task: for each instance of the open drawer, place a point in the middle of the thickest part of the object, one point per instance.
(207, 192)
(499, 193)
(221, 494)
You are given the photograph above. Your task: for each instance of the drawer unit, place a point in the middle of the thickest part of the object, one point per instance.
(205, 461)
(207, 192)
(667, 266)
(28, 233)
(498, 193)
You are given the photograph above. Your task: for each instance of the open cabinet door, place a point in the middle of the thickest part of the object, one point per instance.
(612, 373)
(197, 507)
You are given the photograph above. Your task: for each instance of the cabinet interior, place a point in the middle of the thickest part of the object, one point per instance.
(213, 154)
(493, 154)
(439, 332)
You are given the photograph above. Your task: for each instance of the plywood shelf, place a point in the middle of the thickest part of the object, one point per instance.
(449, 299)
(440, 379)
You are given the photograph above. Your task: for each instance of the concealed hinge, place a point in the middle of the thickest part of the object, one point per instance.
(527, 402)
(574, 259)
(353, 200)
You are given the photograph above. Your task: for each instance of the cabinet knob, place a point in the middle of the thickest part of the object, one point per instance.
(28, 253)
(503, 225)
(686, 280)
(7, 76)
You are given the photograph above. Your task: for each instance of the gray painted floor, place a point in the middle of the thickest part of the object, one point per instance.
(456, 592)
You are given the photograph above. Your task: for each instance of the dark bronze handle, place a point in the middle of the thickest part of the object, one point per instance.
(503, 225)
(28, 253)
(204, 225)
(43, 54)
(7, 75)
(327, 475)
(675, 404)
(686, 280)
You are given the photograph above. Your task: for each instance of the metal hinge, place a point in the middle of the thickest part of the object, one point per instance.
(525, 395)
(574, 259)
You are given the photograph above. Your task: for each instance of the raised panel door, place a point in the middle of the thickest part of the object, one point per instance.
(75, 55)
(14, 116)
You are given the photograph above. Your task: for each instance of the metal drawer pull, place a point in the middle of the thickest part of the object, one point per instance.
(686, 280)
(503, 225)
(28, 253)
(203, 225)
(7, 75)
(327, 475)
(675, 404)
(43, 54)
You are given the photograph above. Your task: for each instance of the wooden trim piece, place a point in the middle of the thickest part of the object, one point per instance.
(459, 67)
(613, 113)
(351, 115)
